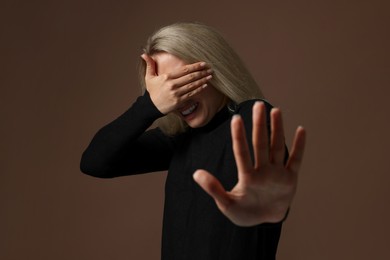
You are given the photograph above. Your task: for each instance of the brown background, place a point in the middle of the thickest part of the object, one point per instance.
(69, 67)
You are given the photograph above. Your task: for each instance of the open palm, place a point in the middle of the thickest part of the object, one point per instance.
(266, 187)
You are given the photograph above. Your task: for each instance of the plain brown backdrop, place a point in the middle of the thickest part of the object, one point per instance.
(69, 67)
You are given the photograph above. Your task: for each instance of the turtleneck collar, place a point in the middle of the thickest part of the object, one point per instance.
(220, 117)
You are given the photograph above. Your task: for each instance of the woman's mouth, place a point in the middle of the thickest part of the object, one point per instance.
(189, 110)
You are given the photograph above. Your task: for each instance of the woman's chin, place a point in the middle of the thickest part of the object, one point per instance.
(196, 122)
(197, 118)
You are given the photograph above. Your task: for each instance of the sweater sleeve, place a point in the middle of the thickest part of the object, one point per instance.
(126, 147)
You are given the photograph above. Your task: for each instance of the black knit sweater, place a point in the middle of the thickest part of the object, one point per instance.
(193, 226)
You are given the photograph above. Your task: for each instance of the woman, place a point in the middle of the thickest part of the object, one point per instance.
(224, 199)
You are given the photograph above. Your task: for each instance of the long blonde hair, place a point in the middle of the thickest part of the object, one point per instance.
(193, 42)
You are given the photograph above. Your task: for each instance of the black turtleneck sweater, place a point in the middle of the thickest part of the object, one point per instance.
(193, 226)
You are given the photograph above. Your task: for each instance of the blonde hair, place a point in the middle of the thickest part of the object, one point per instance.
(193, 42)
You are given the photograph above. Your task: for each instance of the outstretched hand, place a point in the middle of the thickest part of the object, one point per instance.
(266, 187)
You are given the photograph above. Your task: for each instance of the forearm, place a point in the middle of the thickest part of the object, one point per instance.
(117, 148)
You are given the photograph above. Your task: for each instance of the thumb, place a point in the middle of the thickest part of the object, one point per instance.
(213, 187)
(150, 65)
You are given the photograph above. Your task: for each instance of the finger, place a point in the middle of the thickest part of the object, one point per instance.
(193, 92)
(240, 146)
(297, 150)
(187, 69)
(150, 65)
(260, 134)
(190, 81)
(213, 187)
(187, 89)
(277, 151)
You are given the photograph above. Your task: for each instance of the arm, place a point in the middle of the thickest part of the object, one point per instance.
(123, 147)
(267, 185)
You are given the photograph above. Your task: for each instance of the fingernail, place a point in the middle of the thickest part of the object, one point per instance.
(209, 77)
(197, 177)
(209, 71)
(204, 85)
(202, 64)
